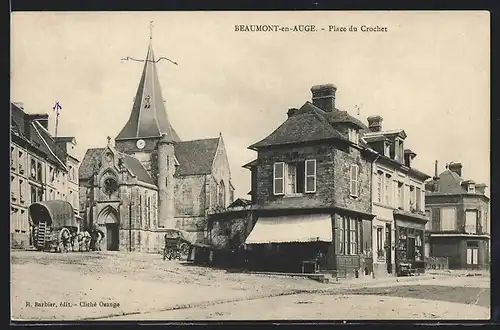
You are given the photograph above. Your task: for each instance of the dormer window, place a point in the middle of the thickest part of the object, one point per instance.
(471, 188)
(353, 135)
(387, 149)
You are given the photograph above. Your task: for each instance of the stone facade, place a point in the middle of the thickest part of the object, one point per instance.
(315, 164)
(160, 182)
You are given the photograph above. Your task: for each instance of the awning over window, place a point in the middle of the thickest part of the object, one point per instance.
(58, 213)
(292, 228)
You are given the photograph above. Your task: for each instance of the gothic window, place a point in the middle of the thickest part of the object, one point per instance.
(110, 186)
(222, 194)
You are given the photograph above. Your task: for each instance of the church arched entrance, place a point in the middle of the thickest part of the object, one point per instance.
(109, 224)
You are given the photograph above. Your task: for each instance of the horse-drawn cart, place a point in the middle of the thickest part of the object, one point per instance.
(176, 244)
(54, 222)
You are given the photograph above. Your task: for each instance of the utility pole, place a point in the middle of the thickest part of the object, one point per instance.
(56, 108)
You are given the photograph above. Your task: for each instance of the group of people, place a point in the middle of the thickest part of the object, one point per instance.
(83, 241)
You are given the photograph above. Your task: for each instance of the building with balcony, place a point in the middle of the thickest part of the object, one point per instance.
(398, 200)
(42, 167)
(459, 228)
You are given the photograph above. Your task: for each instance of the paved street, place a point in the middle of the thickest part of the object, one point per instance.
(121, 286)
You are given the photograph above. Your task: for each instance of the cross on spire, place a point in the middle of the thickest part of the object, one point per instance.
(151, 30)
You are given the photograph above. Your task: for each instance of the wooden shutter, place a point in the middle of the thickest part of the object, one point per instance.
(279, 178)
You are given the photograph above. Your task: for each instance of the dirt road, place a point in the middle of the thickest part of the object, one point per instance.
(116, 286)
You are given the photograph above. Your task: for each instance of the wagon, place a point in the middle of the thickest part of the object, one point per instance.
(177, 244)
(54, 222)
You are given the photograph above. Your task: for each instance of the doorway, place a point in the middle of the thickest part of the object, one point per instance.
(112, 236)
(388, 240)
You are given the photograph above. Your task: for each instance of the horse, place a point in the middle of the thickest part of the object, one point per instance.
(64, 240)
(96, 239)
(81, 241)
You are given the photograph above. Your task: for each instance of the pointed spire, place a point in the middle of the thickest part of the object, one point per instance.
(148, 117)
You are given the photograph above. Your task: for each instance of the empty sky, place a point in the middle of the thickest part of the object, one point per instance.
(428, 74)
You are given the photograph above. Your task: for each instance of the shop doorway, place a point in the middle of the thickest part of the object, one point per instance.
(388, 240)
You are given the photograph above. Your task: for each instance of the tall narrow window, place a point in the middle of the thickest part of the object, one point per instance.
(387, 191)
(401, 195)
(418, 202)
(222, 194)
(412, 197)
(380, 243)
(291, 179)
(310, 176)
(471, 221)
(342, 237)
(354, 180)
(39, 169)
(353, 237)
(33, 169)
(279, 178)
(380, 177)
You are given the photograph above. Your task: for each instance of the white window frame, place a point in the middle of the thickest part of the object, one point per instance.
(380, 186)
(288, 183)
(474, 224)
(277, 178)
(306, 190)
(454, 221)
(472, 255)
(471, 188)
(355, 180)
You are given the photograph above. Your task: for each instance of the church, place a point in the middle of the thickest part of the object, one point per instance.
(149, 180)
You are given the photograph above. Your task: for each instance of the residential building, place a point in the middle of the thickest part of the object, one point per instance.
(311, 191)
(398, 202)
(459, 211)
(42, 167)
(150, 180)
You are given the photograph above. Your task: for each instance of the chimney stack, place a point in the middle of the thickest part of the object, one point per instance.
(456, 167)
(375, 123)
(323, 96)
(42, 118)
(408, 156)
(291, 112)
(436, 177)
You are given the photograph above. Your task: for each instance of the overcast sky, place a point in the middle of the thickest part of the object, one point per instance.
(428, 74)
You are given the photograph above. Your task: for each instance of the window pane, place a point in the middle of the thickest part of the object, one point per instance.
(278, 170)
(354, 170)
(310, 183)
(310, 167)
(278, 186)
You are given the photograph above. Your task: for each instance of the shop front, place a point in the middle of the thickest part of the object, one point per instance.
(410, 243)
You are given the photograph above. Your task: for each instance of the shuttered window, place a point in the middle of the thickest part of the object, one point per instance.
(354, 180)
(448, 218)
(310, 175)
(279, 179)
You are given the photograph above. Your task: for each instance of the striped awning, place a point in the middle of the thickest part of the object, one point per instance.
(57, 213)
(292, 228)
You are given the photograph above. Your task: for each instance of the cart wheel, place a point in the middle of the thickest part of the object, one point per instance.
(169, 255)
(184, 251)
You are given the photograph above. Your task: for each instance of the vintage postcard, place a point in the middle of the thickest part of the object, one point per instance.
(316, 165)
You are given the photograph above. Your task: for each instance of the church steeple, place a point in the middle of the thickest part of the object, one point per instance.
(148, 117)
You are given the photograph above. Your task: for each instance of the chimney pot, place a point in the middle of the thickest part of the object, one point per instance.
(323, 96)
(456, 167)
(291, 112)
(375, 123)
